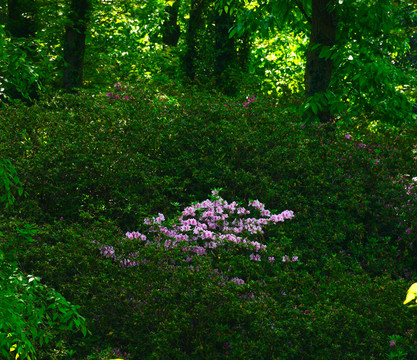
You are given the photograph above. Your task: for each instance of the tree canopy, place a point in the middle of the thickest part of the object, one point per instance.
(343, 57)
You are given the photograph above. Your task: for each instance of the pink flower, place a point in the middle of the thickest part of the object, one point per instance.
(288, 214)
(347, 136)
(159, 219)
(257, 204)
(276, 218)
(285, 258)
(238, 281)
(271, 259)
(107, 251)
(199, 250)
(294, 258)
(185, 228)
(207, 235)
(212, 245)
(254, 257)
(266, 213)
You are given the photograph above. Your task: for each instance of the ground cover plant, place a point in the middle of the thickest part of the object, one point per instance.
(330, 281)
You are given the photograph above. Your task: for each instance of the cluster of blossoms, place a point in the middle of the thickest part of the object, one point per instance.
(119, 93)
(410, 186)
(206, 226)
(237, 281)
(250, 99)
(286, 258)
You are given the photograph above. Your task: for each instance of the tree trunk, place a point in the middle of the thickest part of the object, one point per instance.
(226, 55)
(74, 44)
(319, 70)
(243, 51)
(170, 28)
(194, 22)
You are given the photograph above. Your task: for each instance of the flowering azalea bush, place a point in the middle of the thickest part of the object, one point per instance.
(209, 228)
(108, 354)
(120, 92)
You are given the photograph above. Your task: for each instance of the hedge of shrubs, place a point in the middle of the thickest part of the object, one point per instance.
(333, 278)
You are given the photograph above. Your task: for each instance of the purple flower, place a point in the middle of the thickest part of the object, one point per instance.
(210, 224)
(107, 251)
(348, 136)
(238, 281)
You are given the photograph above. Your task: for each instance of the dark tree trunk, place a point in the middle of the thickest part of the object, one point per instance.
(225, 51)
(194, 22)
(243, 51)
(21, 21)
(74, 44)
(319, 70)
(170, 28)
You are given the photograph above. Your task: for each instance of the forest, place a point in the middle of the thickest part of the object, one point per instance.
(194, 179)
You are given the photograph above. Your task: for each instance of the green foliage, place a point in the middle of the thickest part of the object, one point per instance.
(9, 182)
(32, 315)
(366, 77)
(18, 73)
(94, 165)
(279, 62)
(71, 170)
(160, 309)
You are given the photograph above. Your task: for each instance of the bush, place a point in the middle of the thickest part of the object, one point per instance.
(95, 165)
(32, 315)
